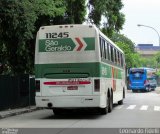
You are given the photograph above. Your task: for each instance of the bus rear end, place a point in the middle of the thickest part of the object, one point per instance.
(66, 67)
(138, 79)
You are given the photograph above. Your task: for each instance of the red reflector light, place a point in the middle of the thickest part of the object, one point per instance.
(67, 83)
(97, 85)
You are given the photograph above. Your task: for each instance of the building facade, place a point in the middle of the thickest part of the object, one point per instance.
(147, 50)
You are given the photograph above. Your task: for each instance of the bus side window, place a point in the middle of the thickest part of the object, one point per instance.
(118, 57)
(115, 55)
(108, 51)
(112, 54)
(121, 60)
(104, 49)
(101, 46)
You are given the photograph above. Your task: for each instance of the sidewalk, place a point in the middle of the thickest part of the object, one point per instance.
(12, 112)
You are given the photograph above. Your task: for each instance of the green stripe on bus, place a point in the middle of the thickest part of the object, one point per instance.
(90, 43)
(76, 70)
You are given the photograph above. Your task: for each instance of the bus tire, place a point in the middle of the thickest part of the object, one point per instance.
(104, 111)
(124, 95)
(120, 102)
(57, 111)
(110, 103)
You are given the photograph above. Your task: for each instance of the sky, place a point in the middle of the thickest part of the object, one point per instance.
(145, 12)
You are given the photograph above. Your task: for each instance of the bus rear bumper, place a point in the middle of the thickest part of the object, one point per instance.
(68, 101)
(139, 87)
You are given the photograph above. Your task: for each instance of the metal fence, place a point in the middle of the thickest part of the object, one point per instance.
(16, 91)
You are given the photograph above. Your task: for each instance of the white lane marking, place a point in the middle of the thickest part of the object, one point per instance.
(156, 108)
(144, 107)
(131, 107)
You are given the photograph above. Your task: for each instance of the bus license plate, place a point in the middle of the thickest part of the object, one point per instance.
(72, 88)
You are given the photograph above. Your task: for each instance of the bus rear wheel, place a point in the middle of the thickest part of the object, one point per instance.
(110, 103)
(57, 111)
(104, 111)
(120, 102)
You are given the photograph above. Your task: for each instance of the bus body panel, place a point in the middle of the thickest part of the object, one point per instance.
(69, 101)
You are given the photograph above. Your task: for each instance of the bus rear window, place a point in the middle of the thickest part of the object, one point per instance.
(134, 71)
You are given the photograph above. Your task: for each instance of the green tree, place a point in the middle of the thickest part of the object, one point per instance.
(110, 10)
(74, 14)
(76, 11)
(17, 30)
(116, 37)
(157, 58)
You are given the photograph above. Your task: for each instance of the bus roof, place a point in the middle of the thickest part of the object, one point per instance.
(65, 26)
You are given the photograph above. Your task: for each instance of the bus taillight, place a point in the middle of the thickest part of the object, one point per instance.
(97, 85)
(37, 85)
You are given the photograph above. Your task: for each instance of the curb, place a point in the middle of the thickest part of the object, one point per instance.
(11, 113)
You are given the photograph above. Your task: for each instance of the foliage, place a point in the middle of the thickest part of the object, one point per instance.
(157, 62)
(116, 37)
(17, 24)
(157, 57)
(76, 11)
(74, 14)
(110, 10)
(148, 62)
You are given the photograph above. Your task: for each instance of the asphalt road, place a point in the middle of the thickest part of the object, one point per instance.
(140, 110)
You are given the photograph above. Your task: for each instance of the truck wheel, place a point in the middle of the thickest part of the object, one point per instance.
(120, 102)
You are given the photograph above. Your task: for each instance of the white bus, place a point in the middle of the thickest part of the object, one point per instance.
(77, 66)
